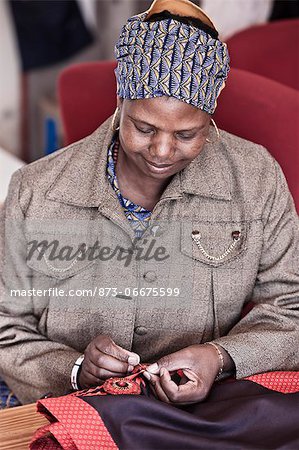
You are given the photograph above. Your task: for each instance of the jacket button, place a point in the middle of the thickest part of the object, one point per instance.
(140, 330)
(150, 276)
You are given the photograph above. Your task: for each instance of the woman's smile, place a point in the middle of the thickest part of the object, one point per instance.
(158, 168)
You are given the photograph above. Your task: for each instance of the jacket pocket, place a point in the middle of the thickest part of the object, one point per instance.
(60, 264)
(214, 243)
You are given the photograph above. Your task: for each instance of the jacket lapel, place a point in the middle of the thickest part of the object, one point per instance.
(82, 182)
(208, 174)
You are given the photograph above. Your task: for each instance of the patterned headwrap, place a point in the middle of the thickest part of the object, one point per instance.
(167, 57)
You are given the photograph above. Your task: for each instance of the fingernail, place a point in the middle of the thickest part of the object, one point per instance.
(134, 360)
(130, 368)
(153, 368)
(162, 371)
(147, 375)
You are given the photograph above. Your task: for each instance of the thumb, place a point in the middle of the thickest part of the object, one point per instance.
(125, 355)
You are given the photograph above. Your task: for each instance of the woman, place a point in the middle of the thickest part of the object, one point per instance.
(160, 219)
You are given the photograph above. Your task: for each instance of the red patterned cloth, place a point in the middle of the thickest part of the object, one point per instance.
(115, 415)
(76, 425)
(284, 382)
(53, 437)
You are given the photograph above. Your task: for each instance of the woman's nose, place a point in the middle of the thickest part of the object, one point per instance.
(162, 149)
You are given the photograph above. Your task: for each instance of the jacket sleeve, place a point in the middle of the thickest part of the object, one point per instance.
(30, 363)
(267, 338)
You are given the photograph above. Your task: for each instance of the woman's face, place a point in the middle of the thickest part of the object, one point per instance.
(161, 136)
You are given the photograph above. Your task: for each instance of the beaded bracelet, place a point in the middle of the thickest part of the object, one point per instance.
(220, 356)
(75, 370)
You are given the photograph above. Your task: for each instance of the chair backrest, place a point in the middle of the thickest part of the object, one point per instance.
(266, 112)
(271, 50)
(87, 97)
(251, 106)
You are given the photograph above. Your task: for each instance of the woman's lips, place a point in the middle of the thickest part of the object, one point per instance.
(158, 167)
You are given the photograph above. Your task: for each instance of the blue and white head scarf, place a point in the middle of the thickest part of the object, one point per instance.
(167, 57)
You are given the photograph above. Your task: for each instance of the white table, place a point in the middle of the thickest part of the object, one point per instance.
(8, 165)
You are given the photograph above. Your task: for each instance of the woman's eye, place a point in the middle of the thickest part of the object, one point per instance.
(185, 137)
(144, 131)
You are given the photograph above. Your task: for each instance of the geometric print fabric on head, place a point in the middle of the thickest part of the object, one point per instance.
(170, 58)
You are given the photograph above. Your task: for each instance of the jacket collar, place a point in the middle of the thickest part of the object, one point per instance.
(208, 174)
(83, 181)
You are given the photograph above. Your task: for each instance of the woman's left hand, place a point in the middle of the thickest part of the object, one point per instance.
(200, 365)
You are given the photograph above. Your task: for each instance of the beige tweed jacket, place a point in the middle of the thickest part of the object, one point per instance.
(224, 233)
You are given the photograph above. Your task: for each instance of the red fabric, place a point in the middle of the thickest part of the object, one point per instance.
(76, 426)
(129, 385)
(284, 382)
(265, 112)
(52, 437)
(270, 50)
(87, 97)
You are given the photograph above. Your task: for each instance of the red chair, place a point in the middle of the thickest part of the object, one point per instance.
(266, 112)
(87, 97)
(251, 106)
(270, 50)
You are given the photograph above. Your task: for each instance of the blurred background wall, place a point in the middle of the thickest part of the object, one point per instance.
(9, 83)
(39, 38)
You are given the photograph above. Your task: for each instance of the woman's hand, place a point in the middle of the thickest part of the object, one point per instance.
(104, 359)
(200, 365)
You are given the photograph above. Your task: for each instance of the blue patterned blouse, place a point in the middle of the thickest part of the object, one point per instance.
(138, 216)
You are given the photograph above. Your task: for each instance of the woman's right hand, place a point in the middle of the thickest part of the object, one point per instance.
(104, 359)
